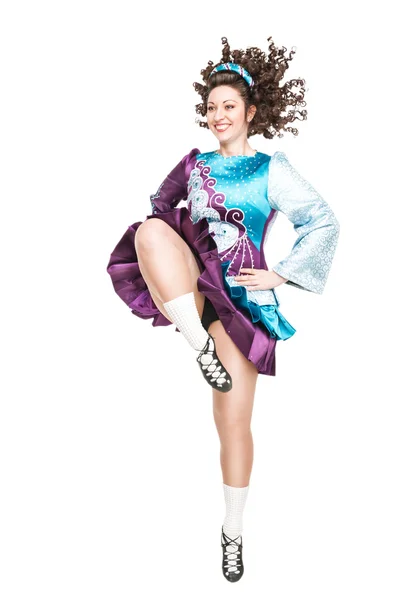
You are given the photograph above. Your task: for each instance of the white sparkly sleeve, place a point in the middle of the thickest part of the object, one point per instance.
(308, 265)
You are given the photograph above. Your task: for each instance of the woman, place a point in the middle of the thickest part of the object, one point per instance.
(202, 267)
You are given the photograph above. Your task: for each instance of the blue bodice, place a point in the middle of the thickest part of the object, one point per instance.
(240, 197)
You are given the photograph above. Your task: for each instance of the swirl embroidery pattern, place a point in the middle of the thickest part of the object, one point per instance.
(226, 226)
(153, 197)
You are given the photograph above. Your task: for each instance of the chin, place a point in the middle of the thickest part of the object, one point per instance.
(223, 137)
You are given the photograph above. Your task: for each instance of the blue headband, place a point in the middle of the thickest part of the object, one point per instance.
(234, 67)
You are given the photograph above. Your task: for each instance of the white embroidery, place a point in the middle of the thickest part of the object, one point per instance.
(225, 234)
(153, 197)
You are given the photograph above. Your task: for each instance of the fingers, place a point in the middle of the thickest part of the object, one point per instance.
(246, 274)
(248, 271)
(248, 278)
(246, 282)
(250, 284)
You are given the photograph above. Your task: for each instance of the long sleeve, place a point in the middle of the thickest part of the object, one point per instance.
(174, 187)
(309, 262)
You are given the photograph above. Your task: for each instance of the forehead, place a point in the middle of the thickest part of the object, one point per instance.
(222, 93)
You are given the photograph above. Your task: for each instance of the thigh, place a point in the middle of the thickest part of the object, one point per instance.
(233, 408)
(154, 227)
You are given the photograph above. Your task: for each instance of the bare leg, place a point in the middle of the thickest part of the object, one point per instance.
(167, 264)
(233, 410)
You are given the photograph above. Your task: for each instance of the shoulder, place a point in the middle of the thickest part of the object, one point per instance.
(279, 157)
(279, 174)
(279, 165)
(190, 155)
(188, 161)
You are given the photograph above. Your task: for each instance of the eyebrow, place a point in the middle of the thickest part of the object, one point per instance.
(230, 100)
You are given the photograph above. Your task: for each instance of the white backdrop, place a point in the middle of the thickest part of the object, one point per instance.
(110, 474)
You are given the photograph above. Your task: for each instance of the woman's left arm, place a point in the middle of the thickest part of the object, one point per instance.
(309, 262)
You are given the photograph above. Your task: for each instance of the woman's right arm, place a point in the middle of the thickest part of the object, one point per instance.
(174, 187)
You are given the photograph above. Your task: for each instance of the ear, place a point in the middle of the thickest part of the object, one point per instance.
(251, 112)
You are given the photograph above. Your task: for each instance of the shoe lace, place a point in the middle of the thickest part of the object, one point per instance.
(231, 552)
(211, 365)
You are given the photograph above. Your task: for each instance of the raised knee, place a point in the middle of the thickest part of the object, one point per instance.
(149, 232)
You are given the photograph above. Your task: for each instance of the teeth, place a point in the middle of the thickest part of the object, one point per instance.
(221, 127)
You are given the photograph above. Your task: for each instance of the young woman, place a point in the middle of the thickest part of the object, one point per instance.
(202, 268)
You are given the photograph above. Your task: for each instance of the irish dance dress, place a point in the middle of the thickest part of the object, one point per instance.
(230, 205)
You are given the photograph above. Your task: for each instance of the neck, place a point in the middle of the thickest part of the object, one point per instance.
(236, 148)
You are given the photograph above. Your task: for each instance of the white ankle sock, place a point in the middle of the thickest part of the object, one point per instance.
(235, 498)
(184, 314)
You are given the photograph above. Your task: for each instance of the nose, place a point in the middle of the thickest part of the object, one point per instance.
(218, 115)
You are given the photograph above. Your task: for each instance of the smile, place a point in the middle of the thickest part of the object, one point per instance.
(221, 127)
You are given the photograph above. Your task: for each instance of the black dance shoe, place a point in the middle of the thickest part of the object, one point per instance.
(213, 370)
(232, 565)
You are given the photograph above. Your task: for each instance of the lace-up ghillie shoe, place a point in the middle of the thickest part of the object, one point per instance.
(213, 370)
(232, 565)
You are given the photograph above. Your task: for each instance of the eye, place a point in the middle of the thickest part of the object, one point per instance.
(230, 106)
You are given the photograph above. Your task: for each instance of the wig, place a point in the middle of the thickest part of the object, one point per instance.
(272, 101)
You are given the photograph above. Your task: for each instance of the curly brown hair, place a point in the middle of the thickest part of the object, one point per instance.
(271, 101)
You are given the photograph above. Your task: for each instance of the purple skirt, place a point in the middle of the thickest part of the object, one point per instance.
(252, 339)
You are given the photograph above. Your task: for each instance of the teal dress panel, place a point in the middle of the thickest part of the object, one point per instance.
(231, 193)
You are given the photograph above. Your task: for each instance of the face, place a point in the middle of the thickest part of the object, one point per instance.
(226, 114)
